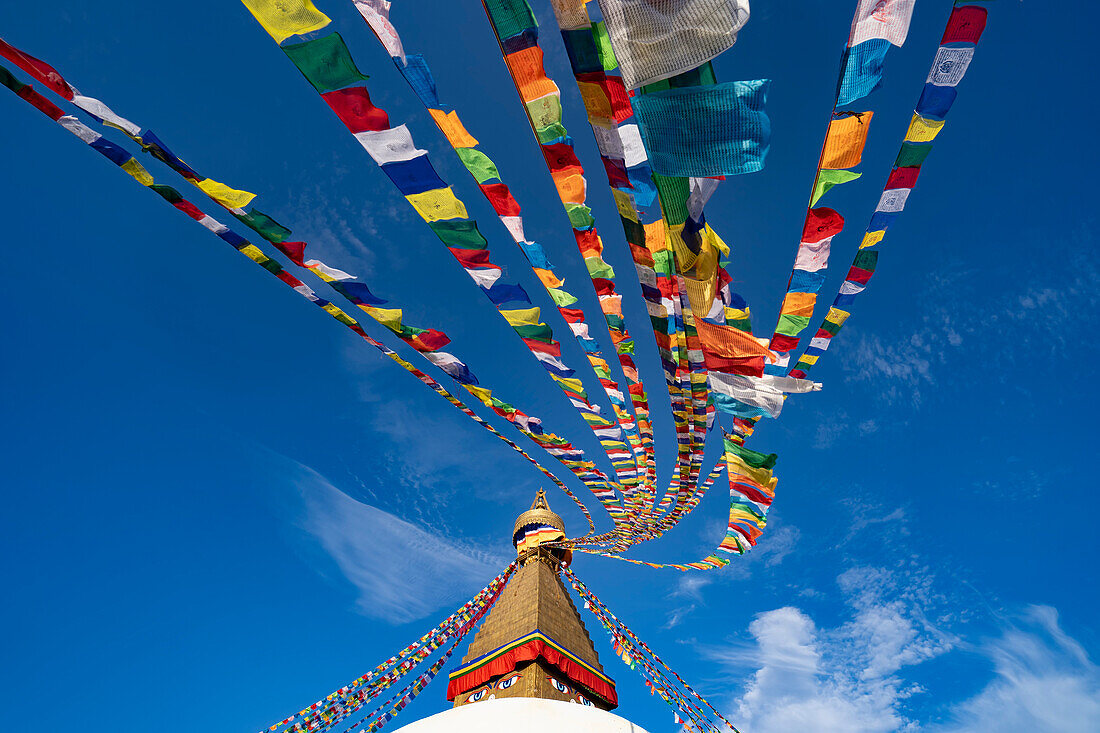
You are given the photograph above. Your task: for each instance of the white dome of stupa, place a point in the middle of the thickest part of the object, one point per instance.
(522, 715)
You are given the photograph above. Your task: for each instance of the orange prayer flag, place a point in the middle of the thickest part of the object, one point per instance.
(845, 141)
(453, 128)
(799, 304)
(529, 74)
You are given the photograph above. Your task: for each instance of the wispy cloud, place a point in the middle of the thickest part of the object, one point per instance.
(402, 571)
(1044, 682)
(957, 319)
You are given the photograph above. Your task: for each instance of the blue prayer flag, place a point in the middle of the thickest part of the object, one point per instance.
(862, 70)
(414, 176)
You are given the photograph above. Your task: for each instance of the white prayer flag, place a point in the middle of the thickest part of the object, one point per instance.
(377, 15)
(389, 146)
(886, 19)
(893, 199)
(950, 66)
(813, 256)
(656, 39)
(79, 129)
(93, 106)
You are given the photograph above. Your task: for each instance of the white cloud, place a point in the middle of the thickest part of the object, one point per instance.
(843, 679)
(402, 572)
(1044, 683)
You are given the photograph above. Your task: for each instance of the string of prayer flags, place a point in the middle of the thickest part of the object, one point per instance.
(327, 65)
(423, 340)
(718, 130)
(338, 706)
(636, 652)
(964, 28)
(656, 39)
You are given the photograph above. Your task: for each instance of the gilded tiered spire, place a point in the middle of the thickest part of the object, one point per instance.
(533, 642)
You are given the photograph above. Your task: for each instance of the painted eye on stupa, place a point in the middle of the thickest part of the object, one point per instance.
(480, 694)
(585, 701)
(564, 689)
(507, 682)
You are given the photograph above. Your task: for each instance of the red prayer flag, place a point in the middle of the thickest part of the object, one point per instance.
(784, 343)
(472, 258)
(294, 250)
(903, 177)
(40, 103)
(560, 156)
(821, 223)
(965, 25)
(430, 340)
(616, 172)
(500, 198)
(190, 209)
(38, 69)
(859, 275)
(355, 110)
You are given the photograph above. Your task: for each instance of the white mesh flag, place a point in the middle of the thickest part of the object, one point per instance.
(886, 19)
(950, 66)
(571, 14)
(389, 146)
(633, 149)
(656, 39)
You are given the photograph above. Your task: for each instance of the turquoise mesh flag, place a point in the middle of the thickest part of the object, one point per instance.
(719, 130)
(862, 70)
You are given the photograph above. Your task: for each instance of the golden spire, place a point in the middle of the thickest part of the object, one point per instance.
(533, 643)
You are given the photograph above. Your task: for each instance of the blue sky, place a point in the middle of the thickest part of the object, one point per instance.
(221, 505)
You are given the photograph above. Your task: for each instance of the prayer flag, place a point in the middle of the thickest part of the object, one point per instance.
(325, 62)
(40, 70)
(845, 140)
(389, 146)
(355, 110)
(706, 131)
(862, 70)
(285, 18)
(950, 65)
(438, 205)
(656, 39)
(826, 179)
(888, 19)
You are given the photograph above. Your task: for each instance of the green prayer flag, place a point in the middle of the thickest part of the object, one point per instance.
(625, 347)
(551, 133)
(510, 17)
(459, 233)
(9, 80)
(580, 216)
(866, 259)
(540, 332)
(792, 325)
(635, 232)
(478, 164)
(265, 226)
(826, 179)
(603, 46)
(830, 327)
(562, 299)
(756, 459)
(167, 193)
(912, 155)
(325, 62)
(598, 268)
(673, 193)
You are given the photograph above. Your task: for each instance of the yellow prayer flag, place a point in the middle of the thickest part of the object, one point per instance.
(810, 359)
(453, 128)
(837, 316)
(573, 383)
(229, 197)
(135, 169)
(522, 317)
(923, 130)
(845, 140)
(870, 239)
(595, 101)
(716, 241)
(285, 18)
(655, 240)
(625, 204)
(483, 394)
(438, 205)
(388, 317)
(254, 253)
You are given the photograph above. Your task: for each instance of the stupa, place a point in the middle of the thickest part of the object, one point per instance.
(531, 667)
